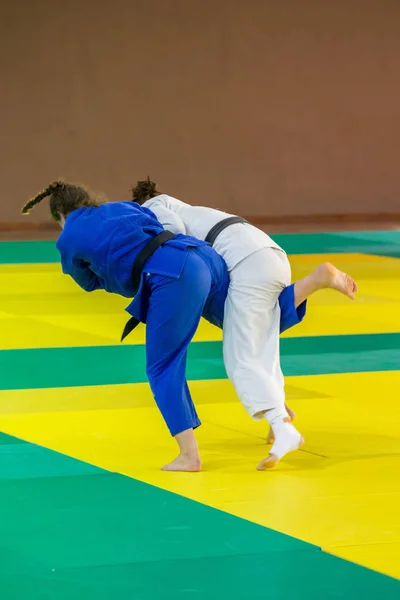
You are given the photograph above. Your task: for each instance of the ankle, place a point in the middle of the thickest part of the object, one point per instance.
(189, 452)
(276, 416)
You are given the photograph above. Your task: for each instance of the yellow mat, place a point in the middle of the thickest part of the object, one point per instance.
(40, 307)
(341, 492)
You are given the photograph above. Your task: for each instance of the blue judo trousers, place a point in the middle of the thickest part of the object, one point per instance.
(184, 280)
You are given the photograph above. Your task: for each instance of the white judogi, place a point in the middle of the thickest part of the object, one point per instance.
(259, 270)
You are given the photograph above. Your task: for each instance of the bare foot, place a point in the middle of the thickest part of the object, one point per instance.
(288, 440)
(329, 276)
(190, 464)
(292, 416)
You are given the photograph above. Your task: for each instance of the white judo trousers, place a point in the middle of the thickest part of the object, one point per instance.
(259, 270)
(251, 330)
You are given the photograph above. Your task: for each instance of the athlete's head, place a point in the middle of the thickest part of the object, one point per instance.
(64, 198)
(144, 190)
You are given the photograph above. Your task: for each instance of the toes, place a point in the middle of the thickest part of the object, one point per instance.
(268, 463)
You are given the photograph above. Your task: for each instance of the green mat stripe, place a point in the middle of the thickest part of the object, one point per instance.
(101, 365)
(385, 243)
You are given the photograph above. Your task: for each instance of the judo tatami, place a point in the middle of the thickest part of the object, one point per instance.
(86, 512)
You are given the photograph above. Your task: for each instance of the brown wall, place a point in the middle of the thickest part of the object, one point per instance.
(262, 107)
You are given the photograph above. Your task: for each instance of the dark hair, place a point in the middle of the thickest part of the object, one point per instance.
(144, 190)
(64, 198)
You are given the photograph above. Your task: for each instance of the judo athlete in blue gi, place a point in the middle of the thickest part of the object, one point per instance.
(182, 278)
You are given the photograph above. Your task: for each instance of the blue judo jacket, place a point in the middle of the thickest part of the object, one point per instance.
(98, 247)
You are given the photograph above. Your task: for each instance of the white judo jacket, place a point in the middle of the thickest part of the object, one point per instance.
(234, 243)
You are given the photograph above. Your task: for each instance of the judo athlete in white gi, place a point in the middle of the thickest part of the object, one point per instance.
(259, 271)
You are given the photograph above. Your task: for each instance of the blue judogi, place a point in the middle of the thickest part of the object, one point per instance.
(184, 278)
(290, 315)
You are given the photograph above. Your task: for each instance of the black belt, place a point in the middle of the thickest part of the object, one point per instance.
(137, 269)
(216, 230)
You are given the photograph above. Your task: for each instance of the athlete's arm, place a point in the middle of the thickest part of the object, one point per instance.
(82, 275)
